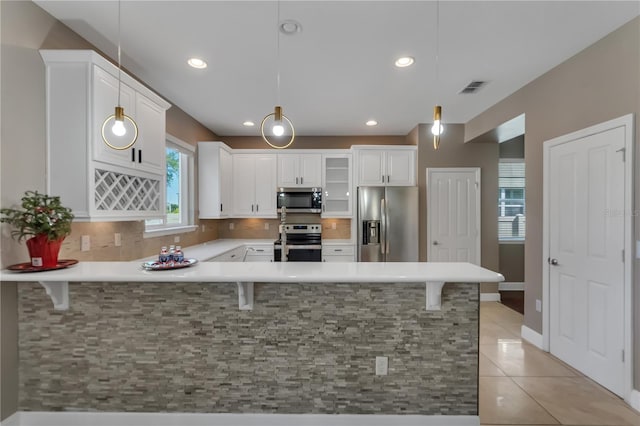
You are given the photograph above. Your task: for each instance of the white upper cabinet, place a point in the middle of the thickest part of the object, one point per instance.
(386, 166)
(148, 151)
(337, 186)
(299, 170)
(98, 182)
(215, 184)
(254, 185)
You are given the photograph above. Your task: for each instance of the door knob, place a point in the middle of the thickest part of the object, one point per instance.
(554, 262)
(435, 243)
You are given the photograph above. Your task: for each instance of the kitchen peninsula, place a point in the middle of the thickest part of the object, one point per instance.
(307, 339)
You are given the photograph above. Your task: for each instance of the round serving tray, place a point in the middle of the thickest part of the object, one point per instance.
(28, 267)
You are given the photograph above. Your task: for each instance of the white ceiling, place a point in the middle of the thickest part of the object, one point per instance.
(338, 72)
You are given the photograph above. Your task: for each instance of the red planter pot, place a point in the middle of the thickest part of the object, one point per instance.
(44, 253)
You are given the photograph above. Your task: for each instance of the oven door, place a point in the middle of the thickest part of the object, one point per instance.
(300, 253)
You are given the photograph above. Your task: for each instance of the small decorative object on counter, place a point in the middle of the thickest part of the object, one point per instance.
(172, 250)
(178, 256)
(164, 255)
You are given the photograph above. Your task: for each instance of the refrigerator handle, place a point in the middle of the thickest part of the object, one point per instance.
(386, 224)
(383, 225)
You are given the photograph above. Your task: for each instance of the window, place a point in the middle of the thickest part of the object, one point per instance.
(179, 212)
(511, 200)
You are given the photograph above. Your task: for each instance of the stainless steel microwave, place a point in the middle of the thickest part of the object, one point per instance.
(300, 200)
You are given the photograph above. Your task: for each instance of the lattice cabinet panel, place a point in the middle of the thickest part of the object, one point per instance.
(121, 192)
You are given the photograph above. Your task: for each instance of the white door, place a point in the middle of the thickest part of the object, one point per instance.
(453, 215)
(586, 205)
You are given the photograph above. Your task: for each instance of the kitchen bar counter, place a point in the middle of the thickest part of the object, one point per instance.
(433, 274)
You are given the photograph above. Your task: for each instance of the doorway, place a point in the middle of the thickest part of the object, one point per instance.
(587, 248)
(453, 215)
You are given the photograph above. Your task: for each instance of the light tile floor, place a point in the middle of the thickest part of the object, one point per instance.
(520, 384)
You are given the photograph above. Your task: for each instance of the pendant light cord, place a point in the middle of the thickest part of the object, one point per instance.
(278, 53)
(119, 54)
(437, 46)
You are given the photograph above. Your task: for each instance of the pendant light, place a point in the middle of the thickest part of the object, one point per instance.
(276, 129)
(119, 131)
(437, 129)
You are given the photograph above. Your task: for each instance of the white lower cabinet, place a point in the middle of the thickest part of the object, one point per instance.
(338, 253)
(234, 255)
(259, 253)
(247, 253)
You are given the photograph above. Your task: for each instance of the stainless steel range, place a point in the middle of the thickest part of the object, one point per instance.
(302, 243)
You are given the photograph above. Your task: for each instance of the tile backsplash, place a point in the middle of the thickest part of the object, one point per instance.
(135, 246)
(268, 228)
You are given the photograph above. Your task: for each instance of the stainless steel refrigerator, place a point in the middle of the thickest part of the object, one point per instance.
(388, 224)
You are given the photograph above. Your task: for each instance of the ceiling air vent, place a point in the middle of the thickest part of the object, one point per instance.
(473, 87)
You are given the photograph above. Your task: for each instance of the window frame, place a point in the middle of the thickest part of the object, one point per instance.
(187, 193)
(512, 240)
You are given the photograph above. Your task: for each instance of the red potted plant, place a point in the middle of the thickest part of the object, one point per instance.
(44, 222)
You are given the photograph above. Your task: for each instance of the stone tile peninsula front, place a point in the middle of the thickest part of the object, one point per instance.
(165, 343)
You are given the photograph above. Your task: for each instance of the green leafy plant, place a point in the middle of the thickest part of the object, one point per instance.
(40, 214)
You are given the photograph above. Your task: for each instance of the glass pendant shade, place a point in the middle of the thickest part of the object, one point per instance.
(277, 130)
(437, 129)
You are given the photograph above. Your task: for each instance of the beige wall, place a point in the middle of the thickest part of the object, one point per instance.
(317, 142)
(25, 29)
(512, 262)
(453, 152)
(598, 84)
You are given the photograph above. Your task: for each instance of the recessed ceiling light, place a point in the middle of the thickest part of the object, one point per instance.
(371, 123)
(404, 61)
(248, 123)
(197, 63)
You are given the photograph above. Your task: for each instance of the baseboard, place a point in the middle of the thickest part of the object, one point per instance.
(28, 418)
(489, 297)
(531, 336)
(634, 400)
(12, 420)
(511, 286)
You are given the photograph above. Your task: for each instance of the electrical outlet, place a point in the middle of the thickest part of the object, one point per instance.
(266, 226)
(382, 366)
(176, 239)
(85, 243)
(538, 305)
(231, 226)
(202, 228)
(117, 239)
(333, 225)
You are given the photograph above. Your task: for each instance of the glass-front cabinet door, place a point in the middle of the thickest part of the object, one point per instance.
(337, 190)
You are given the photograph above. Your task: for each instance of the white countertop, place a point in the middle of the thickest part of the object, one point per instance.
(276, 272)
(214, 248)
